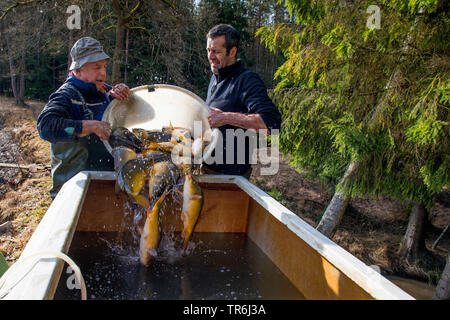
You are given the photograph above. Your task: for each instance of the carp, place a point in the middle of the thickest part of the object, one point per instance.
(163, 176)
(161, 146)
(150, 234)
(192, 206)
(148, 136)
(134, 174)
(172, 147)
(121, 136)
(179, 135)
(121, 155)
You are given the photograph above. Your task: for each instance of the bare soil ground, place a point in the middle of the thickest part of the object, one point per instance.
(371, 229)
(24, 196)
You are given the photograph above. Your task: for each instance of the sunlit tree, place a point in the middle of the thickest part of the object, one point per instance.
(364, 98)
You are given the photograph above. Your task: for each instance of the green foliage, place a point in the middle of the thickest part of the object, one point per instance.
(277, 195)
(166, 40)
(379, 96)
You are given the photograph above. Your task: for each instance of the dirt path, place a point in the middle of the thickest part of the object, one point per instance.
(24, 197)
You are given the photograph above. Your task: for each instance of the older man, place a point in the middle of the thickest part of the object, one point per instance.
(71, 120)
(237, 98)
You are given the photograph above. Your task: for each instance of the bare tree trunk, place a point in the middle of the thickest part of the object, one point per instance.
(126, 56)
(338, 205)
(413, 244)
(69, 45)
(443, 288)
(12, 69)
(124, 16)
(120, 32)
(126, 50)
(117, 58)
(22, 68)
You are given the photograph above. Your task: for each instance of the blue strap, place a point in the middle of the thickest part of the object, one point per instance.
(87, 113)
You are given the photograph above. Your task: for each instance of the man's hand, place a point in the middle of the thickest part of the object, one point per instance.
(120, 91)
(216, 117)
(100, 128)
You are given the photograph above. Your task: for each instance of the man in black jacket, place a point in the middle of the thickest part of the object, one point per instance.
(71, 120)
(238, 99)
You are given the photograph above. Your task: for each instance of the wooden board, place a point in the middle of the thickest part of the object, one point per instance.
(313, 275)
(317, 266)
(224, 209)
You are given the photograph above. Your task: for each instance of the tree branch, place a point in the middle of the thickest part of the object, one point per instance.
(136, 8)
(110, 27)
(15, 5)
(105, 17)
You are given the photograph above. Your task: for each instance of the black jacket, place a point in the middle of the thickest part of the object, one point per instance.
(60, 122)
(237, 89)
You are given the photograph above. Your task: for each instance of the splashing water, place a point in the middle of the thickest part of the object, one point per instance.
(220, 266)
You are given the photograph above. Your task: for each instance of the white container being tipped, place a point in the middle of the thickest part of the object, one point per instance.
(152, 107)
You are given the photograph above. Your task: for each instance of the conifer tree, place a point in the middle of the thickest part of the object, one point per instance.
(353, 93)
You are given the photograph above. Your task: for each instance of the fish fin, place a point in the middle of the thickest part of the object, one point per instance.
(141, 200)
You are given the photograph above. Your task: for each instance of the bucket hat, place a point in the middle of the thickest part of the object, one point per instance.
(86, 50)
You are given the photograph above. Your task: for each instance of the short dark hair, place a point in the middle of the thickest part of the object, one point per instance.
(231, 35)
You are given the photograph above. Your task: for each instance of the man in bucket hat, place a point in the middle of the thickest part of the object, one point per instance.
(71, 120)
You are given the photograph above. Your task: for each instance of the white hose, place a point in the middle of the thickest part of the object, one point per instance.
(37, 256)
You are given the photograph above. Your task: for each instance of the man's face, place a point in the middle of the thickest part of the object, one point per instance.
(94, 72)
(217, 54)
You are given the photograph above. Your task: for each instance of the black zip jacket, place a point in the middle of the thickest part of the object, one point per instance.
(237, 89)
